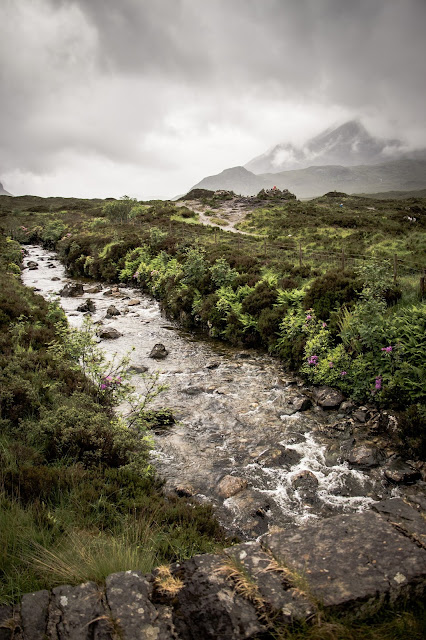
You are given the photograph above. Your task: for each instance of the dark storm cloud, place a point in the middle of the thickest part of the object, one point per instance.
(112, 78)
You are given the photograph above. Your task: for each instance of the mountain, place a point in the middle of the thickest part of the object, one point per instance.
(3, 192)
(405, 174)
(347, 145)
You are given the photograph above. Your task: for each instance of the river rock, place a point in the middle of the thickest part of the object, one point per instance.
(361, 414)
(347, 406)
(109, 333)
(77, 613)
(32, 265)
(400, 472)
(185, 490)
(87, 307)
(72, 290)
(133, 302)
(158, 352)
(96, 289)
(299, 403)
(55, 279)
(193, 391)
(137, 368)
(305, 480)
(108, 292)
(230, 486)
(364, 456)
(279, 457)
(112, 311)
(328, 398)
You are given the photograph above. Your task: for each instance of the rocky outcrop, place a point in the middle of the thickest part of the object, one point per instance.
(349, 563)
(109, 333)
(87, 307)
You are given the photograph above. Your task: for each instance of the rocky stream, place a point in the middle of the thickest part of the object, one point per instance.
(249, 438)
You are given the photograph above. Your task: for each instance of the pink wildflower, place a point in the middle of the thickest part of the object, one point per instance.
(378, 384)
(343, 373)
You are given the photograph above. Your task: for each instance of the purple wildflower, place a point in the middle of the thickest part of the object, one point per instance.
(313, 360)
(331, 365)
(103, 386)
(378, 384)
(324, 324)
(387, 349)
(309, 317)
(343, 373)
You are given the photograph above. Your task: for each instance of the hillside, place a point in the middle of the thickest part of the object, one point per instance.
(399, 175)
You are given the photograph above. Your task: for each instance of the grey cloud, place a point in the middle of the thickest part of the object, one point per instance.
(106, 77)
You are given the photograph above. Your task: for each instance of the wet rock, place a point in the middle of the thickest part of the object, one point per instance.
(301, 403)
(158, 352)
(185, 490)
(230, 486)
(360, 415)
(55, 279)
(50, 265)
(208, 607)
(96, 289)
(400, 472)
(112, 311)
(128, 594)
(87, 307)
(328, 398)
(108, 292)
(305, 481)
(133, 302)
(403, 516)
(109, 333)
(364, 456)
(32, 265)
(137, 368)
(279, 457)
(34, 610)
(193, 391)
(72, 290)
(243, 356)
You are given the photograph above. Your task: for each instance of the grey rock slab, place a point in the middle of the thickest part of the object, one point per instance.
(9, 626)
(364, 456)
(208, 606)
(77, 613)
(128, 595)
(230, 485)
(276, 592)
(353, 561)
(34, 610)
(402, 516)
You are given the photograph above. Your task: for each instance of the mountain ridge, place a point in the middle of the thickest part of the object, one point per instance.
(398, 175)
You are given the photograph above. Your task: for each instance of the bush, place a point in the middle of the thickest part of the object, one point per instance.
(262, 297)
(332, 290)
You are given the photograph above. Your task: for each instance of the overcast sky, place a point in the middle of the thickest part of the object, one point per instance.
(146, 97)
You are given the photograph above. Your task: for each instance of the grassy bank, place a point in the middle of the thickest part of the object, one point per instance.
(78, 498)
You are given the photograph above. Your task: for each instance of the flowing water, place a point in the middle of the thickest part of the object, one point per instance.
(234, 418)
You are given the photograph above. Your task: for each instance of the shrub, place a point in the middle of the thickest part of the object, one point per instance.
(262, 297)
(332, 290)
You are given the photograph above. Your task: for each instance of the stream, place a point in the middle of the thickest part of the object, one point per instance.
(238, 442)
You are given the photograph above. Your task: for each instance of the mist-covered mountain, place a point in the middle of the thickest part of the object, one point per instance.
(3, 192)
(405, 174)
(346, 158)
(347, 145)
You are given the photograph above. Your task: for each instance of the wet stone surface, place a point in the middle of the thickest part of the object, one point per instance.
(237, 414)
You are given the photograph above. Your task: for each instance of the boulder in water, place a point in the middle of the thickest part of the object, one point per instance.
(230, 485)
(158, 352)
(72, 290)
(364, 456)
(112, 311)
(133, 302)
(96, 289)
(32, 265)
(279, 457)
(87, 307)
(109, 333)
(400, 472)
